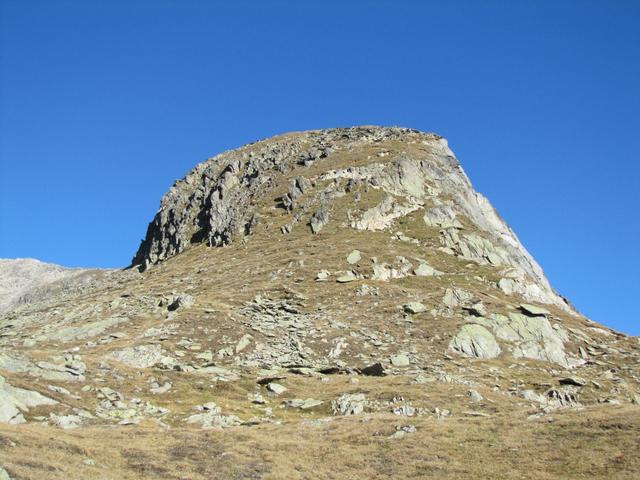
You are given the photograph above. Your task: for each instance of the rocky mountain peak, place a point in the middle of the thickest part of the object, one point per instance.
(340, 290)
(305, 173)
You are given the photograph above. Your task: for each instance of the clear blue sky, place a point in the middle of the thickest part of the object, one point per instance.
(104, 104)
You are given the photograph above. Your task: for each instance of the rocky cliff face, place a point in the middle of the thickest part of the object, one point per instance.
(218, 200)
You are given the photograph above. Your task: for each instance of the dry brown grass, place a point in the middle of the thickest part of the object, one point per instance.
(597, 443)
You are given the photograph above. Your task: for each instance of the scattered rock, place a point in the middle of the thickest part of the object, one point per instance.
(562, 397)
(181, 301)
(414, 308)
(575, 381)
(400, 360)
(401, 431)
(455, 297)
(534, 311)
(346, 278)
(319, 219)
(297, 187)
(243, 343)
(442, 216)
(276, 388)
(257, 399)
(323, 276)
(364, 290)
(302, 404)
(66, 422)
(142, 356)
(473, 413)
(349, 404)
(534, 337)
(158, 389)
(477, 309)
(474, 396)
(213, 420)
(354, 257)
(383, 215)
(425, 270)
(532, 396)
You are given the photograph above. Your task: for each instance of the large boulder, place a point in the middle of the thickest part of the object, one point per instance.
(533, 337)
(475, 341)
(14, 401)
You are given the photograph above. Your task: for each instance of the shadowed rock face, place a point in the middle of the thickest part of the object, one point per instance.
(216, 202)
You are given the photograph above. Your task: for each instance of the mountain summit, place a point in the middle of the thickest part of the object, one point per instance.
(311, 294)
(364, 178)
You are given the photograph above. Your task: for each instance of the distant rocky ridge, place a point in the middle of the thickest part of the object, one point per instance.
(26, 280)
(20, 276)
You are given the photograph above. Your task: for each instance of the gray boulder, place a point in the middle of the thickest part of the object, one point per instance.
(533, 338)
(142, 356)
(475, 341)
(14, 401)
(319, 219)
(349, 404)
(181, 301)
(414, 307)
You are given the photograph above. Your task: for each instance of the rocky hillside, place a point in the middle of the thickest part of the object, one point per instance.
(311, 294)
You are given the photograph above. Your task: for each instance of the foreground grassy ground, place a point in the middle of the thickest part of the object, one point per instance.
(598, 442)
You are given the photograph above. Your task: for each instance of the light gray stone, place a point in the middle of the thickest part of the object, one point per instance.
(243, 343)
(276, 388)
(142, 356)
(414, 307)
(323, 276)
(354, 257)
(349, 404)
(475, 341)
(181, 301)
(347, 278)
(305, 404)
(425, 270)
(14, 401)
(534, 338)
(319, 219)
(474, 396)
(400, 360)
